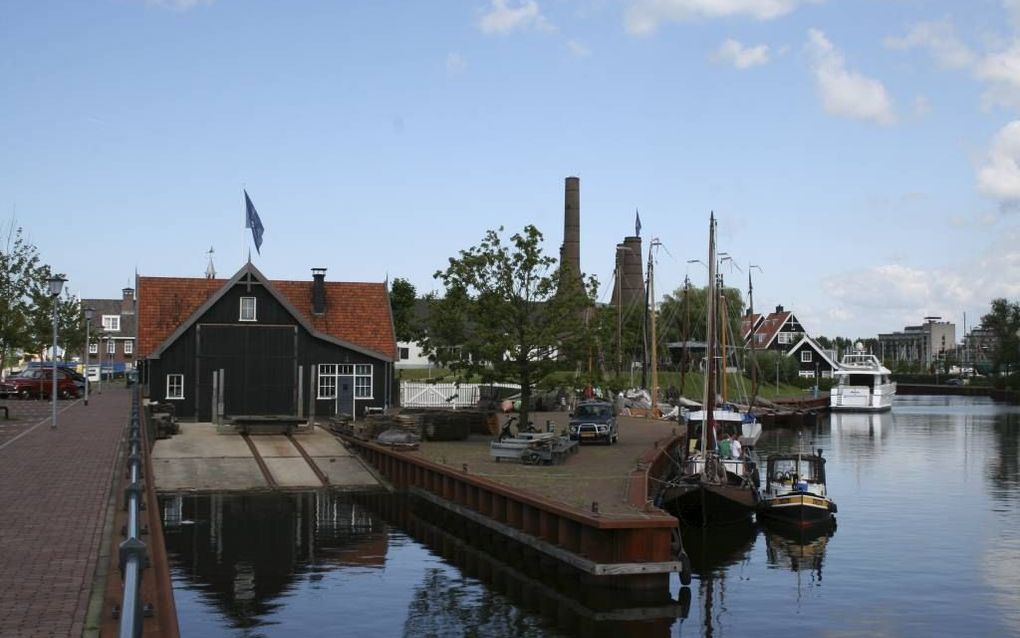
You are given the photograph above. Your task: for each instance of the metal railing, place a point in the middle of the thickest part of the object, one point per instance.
(132, 551)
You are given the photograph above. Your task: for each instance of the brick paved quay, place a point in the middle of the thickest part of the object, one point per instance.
(597, 473)
(54, 492)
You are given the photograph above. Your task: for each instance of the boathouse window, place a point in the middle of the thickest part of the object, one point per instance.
(111, 323)
(363, 381)
(175, 386)
(805, 356)
(327, 380)
(93, 348)
(785, 337)
(247, 308)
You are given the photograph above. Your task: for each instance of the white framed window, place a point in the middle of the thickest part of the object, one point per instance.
(111, 346)
(785, 337)
(175, 386)
(93, 348)
(111, 323)
(247, 309)
(363, 381)
(805, 356)
(327, 381)
(345, 369)
(129, 347)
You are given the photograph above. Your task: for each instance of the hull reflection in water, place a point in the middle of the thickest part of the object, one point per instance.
(528, 579)
(324, 564)
(870, 424)
(798, 549)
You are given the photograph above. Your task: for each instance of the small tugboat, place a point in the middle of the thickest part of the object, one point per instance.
(795, 490)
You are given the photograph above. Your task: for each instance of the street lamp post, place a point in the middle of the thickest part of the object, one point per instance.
(56, 283)
(88, 322)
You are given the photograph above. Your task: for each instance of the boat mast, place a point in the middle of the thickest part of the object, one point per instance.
(708, 399)
(651, 311)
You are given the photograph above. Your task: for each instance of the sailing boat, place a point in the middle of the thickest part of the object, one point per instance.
(708, 489)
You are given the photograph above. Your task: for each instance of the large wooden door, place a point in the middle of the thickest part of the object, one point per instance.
(259, 366)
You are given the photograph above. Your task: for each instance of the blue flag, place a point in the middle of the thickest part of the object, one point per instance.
(253, 222)
(637, 223)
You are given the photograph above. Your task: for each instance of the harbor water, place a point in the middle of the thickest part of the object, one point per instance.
(927, 543)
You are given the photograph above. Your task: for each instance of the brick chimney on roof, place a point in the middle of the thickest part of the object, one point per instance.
(318, 291)
(779, 309)
(127, 301)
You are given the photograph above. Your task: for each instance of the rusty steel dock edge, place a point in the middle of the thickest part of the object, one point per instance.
(637, 546)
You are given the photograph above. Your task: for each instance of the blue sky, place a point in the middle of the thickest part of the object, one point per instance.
(863, 153)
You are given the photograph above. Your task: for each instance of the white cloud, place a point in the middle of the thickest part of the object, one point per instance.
(844, 92)
(505, 16)
(455, 63)
(939, 37)
(891, 296)
(577, 49)
(177, 5)
(645, 16)
(1002, 71)
(999, 177)
(741, 57)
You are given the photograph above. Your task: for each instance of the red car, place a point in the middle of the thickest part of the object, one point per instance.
(38, 382)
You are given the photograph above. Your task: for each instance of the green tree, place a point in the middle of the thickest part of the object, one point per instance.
(1004, 323)
(20, 273)
(511, 318)
(403, 298)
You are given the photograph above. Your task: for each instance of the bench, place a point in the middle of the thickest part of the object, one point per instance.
(266, 423)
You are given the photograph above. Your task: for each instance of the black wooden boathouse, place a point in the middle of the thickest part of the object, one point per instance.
(277, 343)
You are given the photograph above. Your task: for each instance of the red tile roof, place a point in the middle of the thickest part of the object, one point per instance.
(770, 327)
(357, 313)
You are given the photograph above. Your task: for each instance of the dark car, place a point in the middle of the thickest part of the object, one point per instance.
(38, 382)
(594, 421)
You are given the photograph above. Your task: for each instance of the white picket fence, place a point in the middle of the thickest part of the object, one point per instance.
(419, 394)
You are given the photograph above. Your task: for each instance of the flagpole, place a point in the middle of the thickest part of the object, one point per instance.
(244, 227)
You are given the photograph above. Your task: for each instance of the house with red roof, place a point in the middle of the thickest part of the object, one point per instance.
(289, 348)
(780, 331)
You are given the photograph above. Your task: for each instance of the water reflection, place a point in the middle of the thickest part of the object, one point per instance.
(873, 425)
(253, 559)
(245, 552)
(798, 549)
(1004, 470)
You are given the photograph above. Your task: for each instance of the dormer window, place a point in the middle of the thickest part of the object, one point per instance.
(247, 308)
(111, 323)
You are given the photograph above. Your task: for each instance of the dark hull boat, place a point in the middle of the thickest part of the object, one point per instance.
(703, 504)
(709, 489)
(795, 492)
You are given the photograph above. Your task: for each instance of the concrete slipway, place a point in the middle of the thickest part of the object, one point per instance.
(203, 458)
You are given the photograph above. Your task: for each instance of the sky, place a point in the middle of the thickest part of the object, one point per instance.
(863, 155)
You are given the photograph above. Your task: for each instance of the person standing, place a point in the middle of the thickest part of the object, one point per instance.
(735, 448)
(724, 446)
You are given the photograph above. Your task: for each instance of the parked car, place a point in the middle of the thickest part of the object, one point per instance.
(956, 381)
(38, 382)
(593, 421)
(79, 379)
